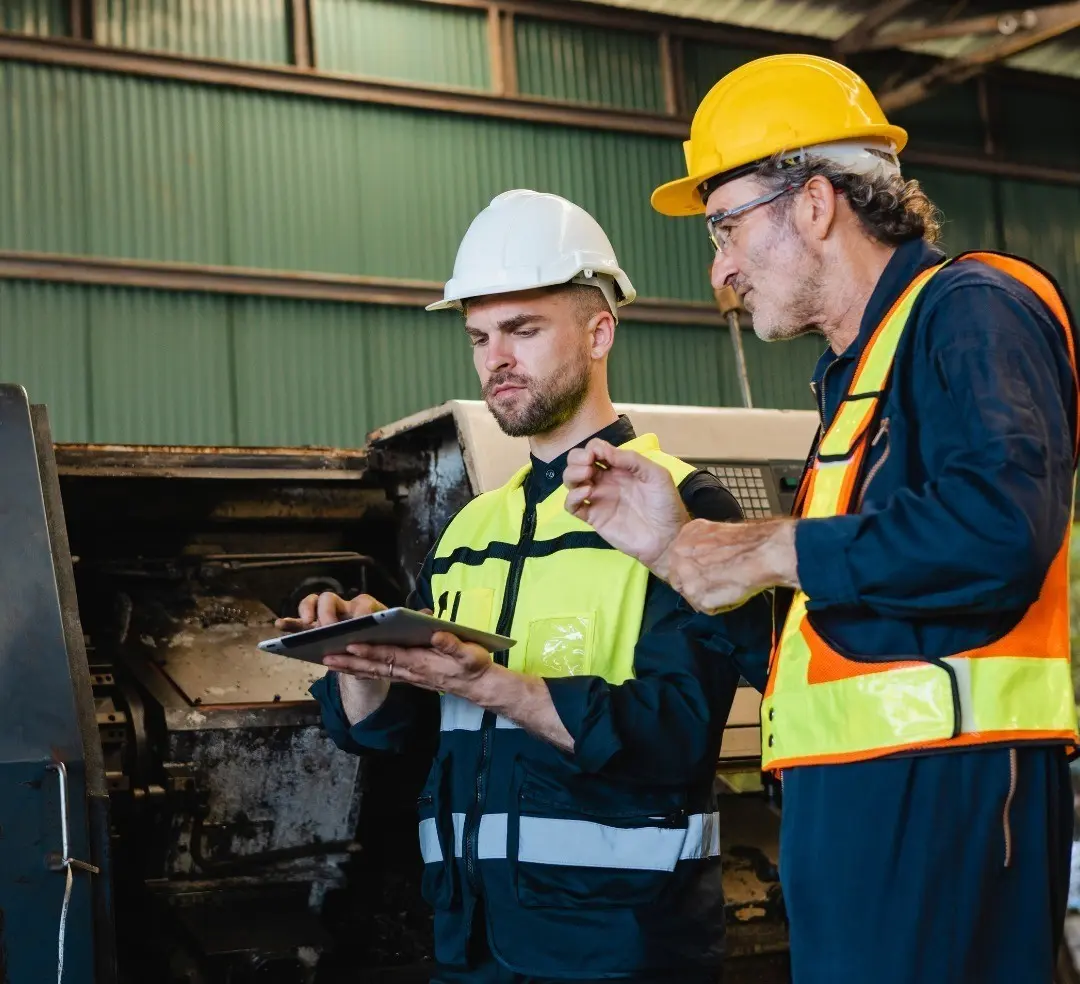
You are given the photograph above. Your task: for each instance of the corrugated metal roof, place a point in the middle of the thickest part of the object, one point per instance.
(830, 19)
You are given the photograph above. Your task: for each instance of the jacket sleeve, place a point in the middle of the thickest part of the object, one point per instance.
(664, 726)
(993, 421)
(409, 717)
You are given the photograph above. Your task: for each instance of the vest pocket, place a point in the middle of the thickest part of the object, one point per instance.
(437, 837)
(564, 854)
(560, 646)
(469, 606)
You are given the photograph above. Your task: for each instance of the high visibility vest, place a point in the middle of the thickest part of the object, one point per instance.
(822, 707)
(573, 605)
(546, 579)
(565, 859)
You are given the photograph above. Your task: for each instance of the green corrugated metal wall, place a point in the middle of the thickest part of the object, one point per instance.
(588, 64)
(41, 17)
(704, 64)
(124, 167)
(237, 30)
(1043, 223)
(164, 171)
(144, 366)
(440, 46)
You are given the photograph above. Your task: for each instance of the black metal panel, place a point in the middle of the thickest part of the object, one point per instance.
(41, 690)
(97, 792)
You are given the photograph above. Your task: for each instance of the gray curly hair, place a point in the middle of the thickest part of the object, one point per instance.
(891, 209)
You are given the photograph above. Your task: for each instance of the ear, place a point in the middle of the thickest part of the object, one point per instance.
(601, 334)
(819, 204)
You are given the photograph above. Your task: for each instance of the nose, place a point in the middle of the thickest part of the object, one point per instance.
(723, 270)
(499, 354)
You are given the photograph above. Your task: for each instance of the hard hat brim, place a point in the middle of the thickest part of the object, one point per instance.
(680, 197)
(457, 295)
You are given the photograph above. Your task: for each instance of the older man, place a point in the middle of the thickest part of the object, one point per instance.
(919, 704)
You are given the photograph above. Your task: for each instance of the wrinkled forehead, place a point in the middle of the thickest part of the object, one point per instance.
(734, 193)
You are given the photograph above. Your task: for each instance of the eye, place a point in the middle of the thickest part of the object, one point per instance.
(525, 332)
(477, 340)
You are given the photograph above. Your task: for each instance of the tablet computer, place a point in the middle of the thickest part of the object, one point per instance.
(392, 627)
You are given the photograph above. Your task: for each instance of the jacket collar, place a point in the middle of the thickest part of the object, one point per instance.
(909, 259)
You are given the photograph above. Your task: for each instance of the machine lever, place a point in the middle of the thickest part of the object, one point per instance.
(65, 862)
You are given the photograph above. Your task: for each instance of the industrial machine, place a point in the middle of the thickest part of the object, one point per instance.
(212, 833)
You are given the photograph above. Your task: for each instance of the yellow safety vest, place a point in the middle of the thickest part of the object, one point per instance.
(822, 707)
(549, 581)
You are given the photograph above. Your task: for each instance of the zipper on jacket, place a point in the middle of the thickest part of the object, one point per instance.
(487, 725)
(1006, 824)
(882, 434)
(818, 390)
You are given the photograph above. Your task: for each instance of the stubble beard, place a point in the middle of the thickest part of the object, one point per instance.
(551, 402)
(776, 318)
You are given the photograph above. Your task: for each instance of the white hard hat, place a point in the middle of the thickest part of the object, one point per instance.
(526, 239)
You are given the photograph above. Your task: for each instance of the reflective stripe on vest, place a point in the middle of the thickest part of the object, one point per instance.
(459, 714)
(584, 843)
(822, 707)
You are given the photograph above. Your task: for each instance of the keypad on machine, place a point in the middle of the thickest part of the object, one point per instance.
(747, 484)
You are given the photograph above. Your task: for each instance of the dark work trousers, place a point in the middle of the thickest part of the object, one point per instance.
(950, 868)
(487, 970)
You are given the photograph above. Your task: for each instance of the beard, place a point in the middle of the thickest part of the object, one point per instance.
(546, 403)
(782, 312)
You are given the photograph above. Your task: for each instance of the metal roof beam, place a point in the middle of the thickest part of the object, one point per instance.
(1033, 27)
(1006, 25)
(863, 33)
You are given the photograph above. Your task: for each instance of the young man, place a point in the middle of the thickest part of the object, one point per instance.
(919, 701)
(568, 825)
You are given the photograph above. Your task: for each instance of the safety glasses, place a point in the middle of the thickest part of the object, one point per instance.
(719, 235)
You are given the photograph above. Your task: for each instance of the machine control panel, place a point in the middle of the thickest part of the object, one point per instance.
(764, 489)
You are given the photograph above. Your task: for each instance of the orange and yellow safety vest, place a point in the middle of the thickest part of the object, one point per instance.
(822, 707)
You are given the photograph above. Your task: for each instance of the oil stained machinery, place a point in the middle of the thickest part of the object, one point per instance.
(170, 809)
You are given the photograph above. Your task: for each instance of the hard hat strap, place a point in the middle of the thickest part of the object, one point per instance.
(606, 286)
(858, 156)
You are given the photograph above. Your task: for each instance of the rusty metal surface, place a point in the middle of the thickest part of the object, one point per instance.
(210, 654)
(259, 788)
(176, 461)
(423, 471)
(750, 844)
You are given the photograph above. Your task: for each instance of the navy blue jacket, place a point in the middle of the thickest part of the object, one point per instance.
(940, 867)
(971, 470)
(970, 473)
(642, 766)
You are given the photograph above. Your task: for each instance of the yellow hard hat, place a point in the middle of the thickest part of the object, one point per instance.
(768, 106)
